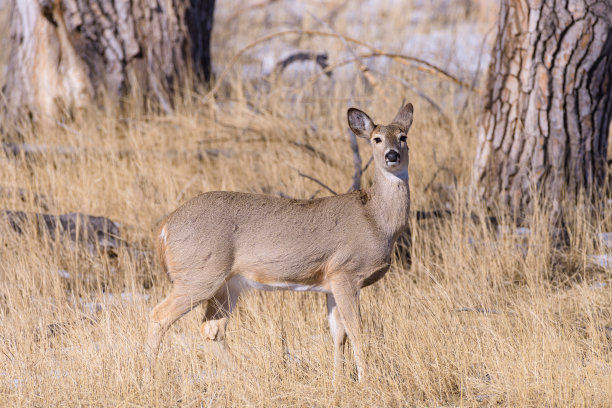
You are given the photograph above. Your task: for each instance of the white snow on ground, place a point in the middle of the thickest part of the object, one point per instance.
(605, 239)
(94, 305)
(603, 260)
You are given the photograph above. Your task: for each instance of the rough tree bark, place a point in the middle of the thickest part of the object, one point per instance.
(66, 53)
(544, 128)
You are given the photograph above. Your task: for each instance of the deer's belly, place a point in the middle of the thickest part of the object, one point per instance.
(241, 283)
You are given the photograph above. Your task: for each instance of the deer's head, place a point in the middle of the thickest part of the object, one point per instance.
(389, 142)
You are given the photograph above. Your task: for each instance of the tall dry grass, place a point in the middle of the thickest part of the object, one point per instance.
(481, 318)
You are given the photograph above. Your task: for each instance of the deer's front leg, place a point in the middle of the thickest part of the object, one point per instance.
(336, 327)
(346, 296)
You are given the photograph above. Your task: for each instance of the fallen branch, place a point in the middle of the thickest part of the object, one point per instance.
(16, 149)
(320, 59)
(426, 215)
(94, 231)
(491, 222)
(479, 310)
(30, 150)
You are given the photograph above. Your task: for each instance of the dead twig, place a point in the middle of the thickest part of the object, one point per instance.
(319, 182)
(283, 195)
(242, 10)
(413, 62)
(417, 91)
(313, 195)
(315, 152)
(477, 73)
(163, 102)
(360, 64)
(367, 164)
(440, 168)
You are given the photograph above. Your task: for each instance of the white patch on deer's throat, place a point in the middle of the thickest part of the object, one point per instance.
(401, 175)
(245, 283)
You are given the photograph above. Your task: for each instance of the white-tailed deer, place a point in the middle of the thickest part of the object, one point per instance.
(220, 244)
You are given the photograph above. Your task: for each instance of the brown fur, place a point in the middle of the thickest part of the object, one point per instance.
(218, 241)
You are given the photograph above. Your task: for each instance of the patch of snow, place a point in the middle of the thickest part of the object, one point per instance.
(95, 305)
(605, 239)
(603, 260)
(521, 231)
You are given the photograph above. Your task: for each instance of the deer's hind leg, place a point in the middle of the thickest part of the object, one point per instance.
(216, 318)
(181, 300)
(163, 316)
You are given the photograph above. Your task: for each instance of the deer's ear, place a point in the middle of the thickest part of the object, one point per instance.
(404, 118)
(360, 123)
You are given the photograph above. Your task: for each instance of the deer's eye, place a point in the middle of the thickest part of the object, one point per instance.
(403, 138)
(377, 139)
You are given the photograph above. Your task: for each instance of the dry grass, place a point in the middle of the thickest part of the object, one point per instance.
(480, 318)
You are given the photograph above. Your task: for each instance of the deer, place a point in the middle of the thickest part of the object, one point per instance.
(220, 244)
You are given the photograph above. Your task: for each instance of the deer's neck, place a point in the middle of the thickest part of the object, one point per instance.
(390, 202)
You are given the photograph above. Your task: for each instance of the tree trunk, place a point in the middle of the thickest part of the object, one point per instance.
(547, 110)
(66, 53)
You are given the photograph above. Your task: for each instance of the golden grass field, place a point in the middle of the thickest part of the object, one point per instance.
(481, 318)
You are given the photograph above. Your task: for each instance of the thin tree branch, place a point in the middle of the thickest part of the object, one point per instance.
(418, 92)
(312, 150)
(476, 74)
(319, 182)
(356, 162)
(367, 164)
(362, 67)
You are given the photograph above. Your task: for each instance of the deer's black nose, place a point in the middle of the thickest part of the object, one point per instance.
(392, 156)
